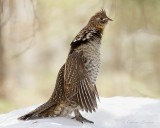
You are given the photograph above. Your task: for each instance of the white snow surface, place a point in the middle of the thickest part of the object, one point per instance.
(116, 112)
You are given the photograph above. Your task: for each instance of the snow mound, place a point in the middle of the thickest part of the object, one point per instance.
(116, 112)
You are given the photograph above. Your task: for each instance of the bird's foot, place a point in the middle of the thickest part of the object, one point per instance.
(80, 118)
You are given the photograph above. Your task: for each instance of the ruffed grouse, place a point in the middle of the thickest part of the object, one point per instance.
(75, 88)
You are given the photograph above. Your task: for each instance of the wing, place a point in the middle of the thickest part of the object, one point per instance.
(77, 85)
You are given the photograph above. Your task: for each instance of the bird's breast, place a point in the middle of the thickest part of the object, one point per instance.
(92, 66)
(91, 52)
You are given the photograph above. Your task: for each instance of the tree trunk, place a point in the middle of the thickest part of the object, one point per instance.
(1, 65)
(1, 55)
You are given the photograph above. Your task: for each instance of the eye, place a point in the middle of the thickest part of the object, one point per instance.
(101, 18)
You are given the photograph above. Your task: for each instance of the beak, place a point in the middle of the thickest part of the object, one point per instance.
(109, 19)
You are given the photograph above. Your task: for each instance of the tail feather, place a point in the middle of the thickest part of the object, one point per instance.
(27, 116)
(41, 111)
(48, 108)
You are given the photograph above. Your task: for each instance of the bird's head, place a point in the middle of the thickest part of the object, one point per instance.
(100, 19)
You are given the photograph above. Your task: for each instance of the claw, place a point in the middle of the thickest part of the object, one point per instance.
(80, 118)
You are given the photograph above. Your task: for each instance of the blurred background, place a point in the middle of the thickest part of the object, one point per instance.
(35, 37)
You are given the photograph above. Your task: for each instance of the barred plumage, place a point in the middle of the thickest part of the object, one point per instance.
(76, 82)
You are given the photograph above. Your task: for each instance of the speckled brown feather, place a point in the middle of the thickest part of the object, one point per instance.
(76, 82)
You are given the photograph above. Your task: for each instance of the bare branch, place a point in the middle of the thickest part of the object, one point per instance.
(2, 24)
(35, 28)
(26, 49)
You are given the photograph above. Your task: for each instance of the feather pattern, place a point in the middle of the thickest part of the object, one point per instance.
(78, 84)
(85, 36)
(52, 102)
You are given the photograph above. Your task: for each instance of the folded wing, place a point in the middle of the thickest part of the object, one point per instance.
(77, 84)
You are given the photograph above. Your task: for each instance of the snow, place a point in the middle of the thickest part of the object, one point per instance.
(116, 112)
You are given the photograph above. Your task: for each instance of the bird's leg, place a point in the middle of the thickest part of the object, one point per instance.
(80, 118)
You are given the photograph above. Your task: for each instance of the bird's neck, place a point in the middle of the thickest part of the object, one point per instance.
(99, 28)
(88, 35)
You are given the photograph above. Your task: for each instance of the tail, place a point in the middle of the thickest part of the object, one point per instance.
(27, 116)
(42, 111)
(51, 108)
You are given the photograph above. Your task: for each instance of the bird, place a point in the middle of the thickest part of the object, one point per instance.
(75, 88)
